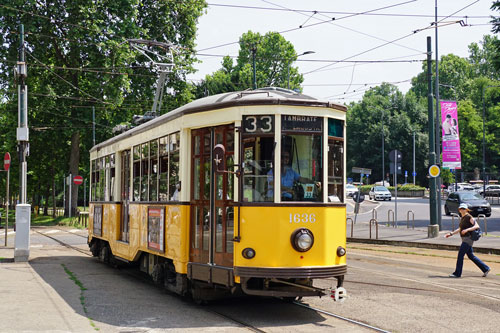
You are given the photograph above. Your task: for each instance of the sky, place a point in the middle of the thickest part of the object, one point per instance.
(391, 31)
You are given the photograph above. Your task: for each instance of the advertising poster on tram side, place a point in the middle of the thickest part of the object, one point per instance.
(451, 135)
(156, 228)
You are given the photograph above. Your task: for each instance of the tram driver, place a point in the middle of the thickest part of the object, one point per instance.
(289, 180)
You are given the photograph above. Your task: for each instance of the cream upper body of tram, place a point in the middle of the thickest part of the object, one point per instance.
(269, 223)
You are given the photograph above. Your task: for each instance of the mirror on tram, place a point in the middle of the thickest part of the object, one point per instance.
(219, 160)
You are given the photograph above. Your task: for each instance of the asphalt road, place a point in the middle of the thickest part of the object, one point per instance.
(420, 209)
(396, 289)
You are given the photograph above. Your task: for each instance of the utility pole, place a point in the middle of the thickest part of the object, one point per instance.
(413, 173)
(23, 210)
(438, 121)
(433, 227)
(93, 126)
(254, 51)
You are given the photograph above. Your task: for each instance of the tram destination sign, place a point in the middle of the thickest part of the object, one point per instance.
(301, 123)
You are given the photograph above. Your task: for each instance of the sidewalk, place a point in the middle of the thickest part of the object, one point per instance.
(403, 236)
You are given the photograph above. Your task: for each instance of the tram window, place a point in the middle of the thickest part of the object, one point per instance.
(102, 180)
(111, 177)
(107, 178)
(137, 173)
(258, 160)
(93, 181)
(173, 174)
(218, 230)
(163, 177)
(301, 167)
(144, 171)
(153, 170)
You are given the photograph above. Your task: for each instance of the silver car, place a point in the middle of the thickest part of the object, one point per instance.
(350, 190)
(379, 193)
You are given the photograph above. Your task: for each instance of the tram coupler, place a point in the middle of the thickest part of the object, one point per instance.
(338, 294)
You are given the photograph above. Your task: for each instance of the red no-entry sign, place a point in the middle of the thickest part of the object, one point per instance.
(78, 180)
(6, 161)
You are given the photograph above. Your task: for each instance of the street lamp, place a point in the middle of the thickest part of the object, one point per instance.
(484, 144)
(289, 63)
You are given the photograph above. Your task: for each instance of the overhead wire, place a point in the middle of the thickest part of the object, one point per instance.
(335, 12)
(310, 25)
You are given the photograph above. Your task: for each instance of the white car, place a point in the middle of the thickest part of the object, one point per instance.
(379, 193)
(350, 190)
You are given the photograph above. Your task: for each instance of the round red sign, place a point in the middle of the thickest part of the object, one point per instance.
(6, 161)
(78, 180)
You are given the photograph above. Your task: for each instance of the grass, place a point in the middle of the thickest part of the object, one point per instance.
(73, 277)
(43, 220)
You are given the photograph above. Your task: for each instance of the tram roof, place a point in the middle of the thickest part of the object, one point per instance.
(261, 96)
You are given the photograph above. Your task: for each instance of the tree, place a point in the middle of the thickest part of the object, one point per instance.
(385, 106)
(78, 58)
(274, 56)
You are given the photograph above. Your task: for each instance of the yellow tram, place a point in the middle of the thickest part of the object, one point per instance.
(191, 196)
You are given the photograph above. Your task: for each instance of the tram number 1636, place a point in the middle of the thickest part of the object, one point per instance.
(302, 218)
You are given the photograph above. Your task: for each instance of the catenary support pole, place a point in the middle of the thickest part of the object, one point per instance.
(433, 228)
(438, 123)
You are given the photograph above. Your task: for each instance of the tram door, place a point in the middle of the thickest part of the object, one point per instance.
(212, 213)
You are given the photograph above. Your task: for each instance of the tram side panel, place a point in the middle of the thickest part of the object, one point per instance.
(175, 232)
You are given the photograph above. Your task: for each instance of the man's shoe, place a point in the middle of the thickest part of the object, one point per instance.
(485, 274)
(453, 276)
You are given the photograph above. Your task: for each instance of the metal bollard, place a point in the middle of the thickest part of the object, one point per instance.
(352, 225)
(408, 219)
(374, 213)
(374, 221)
(389, 218)
(485, 222)
(453, 215)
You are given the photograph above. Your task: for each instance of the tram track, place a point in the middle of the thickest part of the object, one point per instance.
(243, 324)
(461, 290)
(330, 314)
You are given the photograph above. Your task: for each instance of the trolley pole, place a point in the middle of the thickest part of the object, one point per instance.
(254, 51)
(23, 210)
(433, 228)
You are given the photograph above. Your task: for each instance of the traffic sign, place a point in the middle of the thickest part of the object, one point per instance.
(364, 171)
(6, 161)
(78, 180)
(414, 174)
(434, 171)
(395, 156)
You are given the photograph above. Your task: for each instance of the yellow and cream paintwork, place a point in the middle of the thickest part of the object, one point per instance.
(265, 229)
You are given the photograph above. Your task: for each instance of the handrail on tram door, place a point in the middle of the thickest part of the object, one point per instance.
(352, 225)
(375, 222)
(408, 219)
(485, 222)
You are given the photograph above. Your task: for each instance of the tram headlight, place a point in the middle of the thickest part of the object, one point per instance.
(341, 251)
(248, 253)
(302, 239)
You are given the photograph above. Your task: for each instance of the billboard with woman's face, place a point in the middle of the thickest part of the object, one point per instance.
(451, 139)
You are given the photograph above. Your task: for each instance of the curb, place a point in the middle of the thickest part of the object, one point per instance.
(477, 249)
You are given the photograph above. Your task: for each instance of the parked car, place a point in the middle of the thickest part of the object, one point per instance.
(490, 190)
(379, 193)
(476, 203)
(350, 190)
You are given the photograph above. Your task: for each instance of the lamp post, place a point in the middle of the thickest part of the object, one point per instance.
(484, 141)
(289, 63)
(383, 150)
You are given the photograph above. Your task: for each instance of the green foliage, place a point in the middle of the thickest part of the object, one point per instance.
(399, 115)
(274, 57)
(78, 58)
